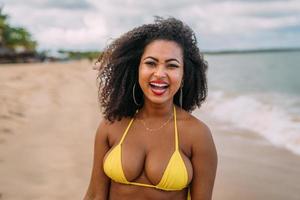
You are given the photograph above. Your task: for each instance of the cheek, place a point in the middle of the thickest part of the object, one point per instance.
(177, 77)
(143, 75)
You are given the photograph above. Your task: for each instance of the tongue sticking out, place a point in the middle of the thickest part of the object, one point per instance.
(158, 90)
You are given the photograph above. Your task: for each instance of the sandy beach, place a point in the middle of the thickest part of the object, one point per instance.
(48, 117)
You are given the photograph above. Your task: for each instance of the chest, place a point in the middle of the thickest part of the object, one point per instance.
(145, 155)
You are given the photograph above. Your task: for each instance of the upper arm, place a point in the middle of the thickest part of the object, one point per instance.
(99, 182)
(204, 161)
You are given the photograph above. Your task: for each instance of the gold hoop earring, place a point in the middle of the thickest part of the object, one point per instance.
(180, 95)
(133, 96)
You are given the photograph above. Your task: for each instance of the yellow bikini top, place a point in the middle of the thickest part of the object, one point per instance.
(175, 176)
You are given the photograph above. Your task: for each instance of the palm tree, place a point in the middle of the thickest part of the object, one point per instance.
(15, 38)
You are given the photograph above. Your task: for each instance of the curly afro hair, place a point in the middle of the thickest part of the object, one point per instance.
(119, 63)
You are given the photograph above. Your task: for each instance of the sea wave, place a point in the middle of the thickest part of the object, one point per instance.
(273, 116)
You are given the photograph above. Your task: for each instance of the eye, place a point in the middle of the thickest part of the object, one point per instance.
(173, 65)
(150, 63)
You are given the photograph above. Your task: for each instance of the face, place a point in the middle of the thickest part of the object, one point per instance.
(161, 71)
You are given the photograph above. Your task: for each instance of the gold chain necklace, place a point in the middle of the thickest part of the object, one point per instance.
(155, 129)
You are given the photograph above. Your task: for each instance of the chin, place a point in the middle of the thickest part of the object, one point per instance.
(159, 100)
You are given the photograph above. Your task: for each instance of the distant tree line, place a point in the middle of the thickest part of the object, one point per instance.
(77, 55)
(15, 38)
(17, 45)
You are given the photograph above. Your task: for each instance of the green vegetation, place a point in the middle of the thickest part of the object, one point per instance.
(91, 55)
(15, 38)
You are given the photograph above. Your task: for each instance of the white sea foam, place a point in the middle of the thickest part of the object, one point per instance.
(262, 113)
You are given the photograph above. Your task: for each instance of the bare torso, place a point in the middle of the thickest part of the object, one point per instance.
(145, 156)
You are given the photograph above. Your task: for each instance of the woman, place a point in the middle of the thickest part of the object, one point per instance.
(149, 146)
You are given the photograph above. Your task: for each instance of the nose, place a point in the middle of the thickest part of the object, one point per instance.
(160, 71)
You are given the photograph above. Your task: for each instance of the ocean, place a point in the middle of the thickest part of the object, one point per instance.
(258, 92)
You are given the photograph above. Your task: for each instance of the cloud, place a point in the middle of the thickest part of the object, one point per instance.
(89, 35)
(65, 4)
(219, 24)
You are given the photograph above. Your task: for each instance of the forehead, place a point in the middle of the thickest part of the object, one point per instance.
(163, 49)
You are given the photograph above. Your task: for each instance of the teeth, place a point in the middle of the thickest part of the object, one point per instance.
(159, 84)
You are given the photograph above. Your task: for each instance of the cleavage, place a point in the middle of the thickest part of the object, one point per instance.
(145, 165)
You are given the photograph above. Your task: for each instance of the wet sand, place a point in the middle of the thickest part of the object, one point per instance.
(252, 168)
(48, 117)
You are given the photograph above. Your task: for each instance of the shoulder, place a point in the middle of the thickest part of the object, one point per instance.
(105, 126)
(204, 158)
(197, 132)
(110, 131)
(103, 129)
(194, 127)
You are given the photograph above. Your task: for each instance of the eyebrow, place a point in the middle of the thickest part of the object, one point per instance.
(168, 60)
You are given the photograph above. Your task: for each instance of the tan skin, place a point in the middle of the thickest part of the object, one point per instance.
(145, 154)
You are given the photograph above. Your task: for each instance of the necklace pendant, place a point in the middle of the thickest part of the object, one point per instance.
(155, 129)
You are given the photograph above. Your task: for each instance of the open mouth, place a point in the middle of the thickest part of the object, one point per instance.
(158, 88)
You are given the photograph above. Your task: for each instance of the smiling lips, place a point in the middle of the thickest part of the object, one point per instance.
(158, 87)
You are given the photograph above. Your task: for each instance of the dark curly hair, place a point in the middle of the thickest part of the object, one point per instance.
(119, 63)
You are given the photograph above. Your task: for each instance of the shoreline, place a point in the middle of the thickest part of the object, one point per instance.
(49, 115)
(250, 167)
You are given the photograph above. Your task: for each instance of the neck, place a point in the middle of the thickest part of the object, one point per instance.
(151, 110)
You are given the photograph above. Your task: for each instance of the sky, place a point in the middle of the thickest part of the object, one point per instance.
(218, 24)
